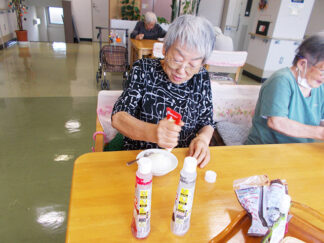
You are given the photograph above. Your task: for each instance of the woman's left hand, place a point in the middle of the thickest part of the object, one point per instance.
(199, 149)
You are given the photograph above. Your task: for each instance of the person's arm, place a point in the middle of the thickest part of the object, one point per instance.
(160, 32)
(136, 30)
(199, 146)
(165, 133)
(296, 129)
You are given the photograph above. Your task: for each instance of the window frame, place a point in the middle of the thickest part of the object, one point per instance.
(49, 16)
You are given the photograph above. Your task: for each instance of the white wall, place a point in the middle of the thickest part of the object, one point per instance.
(290, 25)
(37, 9)
(46, 31)
(32, 29)
(212, 10)
(82, 15)
(270, 55)
(42, 27)
(55, 33)
(316, 21)
(3, 4)
(8, 23)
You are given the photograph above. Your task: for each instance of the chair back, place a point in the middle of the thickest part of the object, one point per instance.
(226, 62)
(158, 50)
(105, 105)
(234, 103)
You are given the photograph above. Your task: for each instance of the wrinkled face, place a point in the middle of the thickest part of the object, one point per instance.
(181, 63)
(314, 74)
(149, 26)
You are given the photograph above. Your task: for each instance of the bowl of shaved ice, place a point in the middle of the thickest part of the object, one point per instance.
(163, 161)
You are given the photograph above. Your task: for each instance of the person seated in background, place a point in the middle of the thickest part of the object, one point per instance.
(223, 42)
(148, 29)
(180, 82)
(290, 107)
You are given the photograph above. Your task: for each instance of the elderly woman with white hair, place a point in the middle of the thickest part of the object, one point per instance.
(148, 29)
(179, 82)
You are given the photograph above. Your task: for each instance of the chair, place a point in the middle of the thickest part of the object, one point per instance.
(104, 131)
(233, 108)
(157, 50)
(221, 63)
(306, 224)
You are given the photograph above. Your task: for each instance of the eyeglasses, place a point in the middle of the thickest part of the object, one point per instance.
(177, 65)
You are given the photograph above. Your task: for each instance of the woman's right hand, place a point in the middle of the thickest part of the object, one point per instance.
(139, 37)
(167, 133)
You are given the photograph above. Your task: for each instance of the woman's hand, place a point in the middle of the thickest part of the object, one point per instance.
(139, 37)
(199, 149)
(167, 133)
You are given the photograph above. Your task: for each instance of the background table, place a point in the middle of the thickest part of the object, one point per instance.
(102, 192)
(141, 48)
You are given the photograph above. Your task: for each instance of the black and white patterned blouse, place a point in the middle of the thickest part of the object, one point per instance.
(150, 92)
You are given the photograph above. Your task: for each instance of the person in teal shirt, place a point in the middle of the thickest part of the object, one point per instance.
(290, 107)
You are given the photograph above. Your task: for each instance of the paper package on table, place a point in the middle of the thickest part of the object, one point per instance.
(268, 204)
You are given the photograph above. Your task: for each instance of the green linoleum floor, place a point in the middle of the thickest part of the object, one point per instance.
(41, 138)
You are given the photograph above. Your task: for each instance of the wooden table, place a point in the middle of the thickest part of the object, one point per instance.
(102, 194)
(139, 48)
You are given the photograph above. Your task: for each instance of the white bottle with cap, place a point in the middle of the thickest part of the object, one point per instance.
(180, 221)
(142, 202)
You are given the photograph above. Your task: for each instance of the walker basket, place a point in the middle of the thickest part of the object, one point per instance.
(114, 58)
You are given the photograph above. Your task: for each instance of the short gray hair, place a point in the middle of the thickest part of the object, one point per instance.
(195, 32)
(312, 49)
(150, 17)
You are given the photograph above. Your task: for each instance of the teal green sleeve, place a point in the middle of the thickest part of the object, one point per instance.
(276, 98)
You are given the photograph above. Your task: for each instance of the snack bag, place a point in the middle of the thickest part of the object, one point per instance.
(272, 199)
(277, 231)
(249, 193)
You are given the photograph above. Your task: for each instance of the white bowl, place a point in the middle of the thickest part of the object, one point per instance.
(160, 39)
(157, 169)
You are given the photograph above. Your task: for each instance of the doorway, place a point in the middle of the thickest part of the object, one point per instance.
(100, 17)
(237, 22)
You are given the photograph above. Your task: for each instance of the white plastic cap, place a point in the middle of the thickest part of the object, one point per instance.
(190, 164)
(145, 165)
(210, 176)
